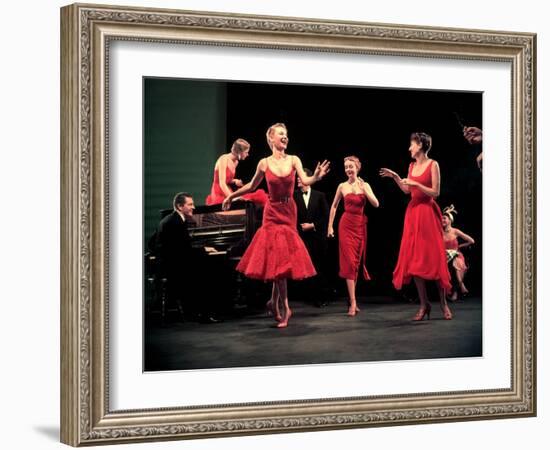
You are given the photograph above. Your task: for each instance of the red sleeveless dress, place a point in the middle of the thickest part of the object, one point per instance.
(217, 196)
(277, 251)
(352, 237)
(422, 251)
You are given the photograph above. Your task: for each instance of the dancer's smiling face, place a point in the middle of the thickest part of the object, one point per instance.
(279, 138)
(350, 168)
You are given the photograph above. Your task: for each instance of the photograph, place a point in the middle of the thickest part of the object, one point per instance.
(278, 224)
(290, 224)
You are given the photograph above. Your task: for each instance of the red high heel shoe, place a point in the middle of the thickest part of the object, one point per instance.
(423, 312)
(447, 314)
(284, 322)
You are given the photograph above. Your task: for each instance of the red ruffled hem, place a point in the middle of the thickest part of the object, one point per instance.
(276, 252)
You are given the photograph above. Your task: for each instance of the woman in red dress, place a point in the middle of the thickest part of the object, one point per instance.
(276, 252)
(352, 229)
(224, 175)
(455, 258)
(422, 253)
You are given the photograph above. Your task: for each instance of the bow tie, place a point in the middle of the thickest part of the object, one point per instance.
(305, 192)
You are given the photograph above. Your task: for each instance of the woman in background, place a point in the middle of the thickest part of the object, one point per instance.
(224, 176)
(455, 258)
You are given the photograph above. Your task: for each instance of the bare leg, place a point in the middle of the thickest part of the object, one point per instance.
(421, 288)
(460, 278)
(442, 296)
(425, 306)
(283, 303)
(272, 305)
(447, 314)
(352, 310)
(454, 292)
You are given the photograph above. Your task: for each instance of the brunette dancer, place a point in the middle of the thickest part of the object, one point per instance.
(422, 252)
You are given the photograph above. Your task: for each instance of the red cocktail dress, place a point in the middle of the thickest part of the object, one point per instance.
(422, 252)
(277, 251)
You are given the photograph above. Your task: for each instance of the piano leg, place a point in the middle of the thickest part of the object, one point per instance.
(163, 298)
(239, 299)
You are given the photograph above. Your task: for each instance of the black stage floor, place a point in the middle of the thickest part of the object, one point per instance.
(382, 331)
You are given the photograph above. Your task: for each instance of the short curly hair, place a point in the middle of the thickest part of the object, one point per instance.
(424, 139)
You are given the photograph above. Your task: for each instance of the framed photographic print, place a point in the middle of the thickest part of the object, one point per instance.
(277, 224)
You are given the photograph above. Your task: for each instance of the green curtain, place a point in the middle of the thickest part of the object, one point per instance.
(184, 133)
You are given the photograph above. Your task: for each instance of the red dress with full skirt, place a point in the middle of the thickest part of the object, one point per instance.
(422, 252)
(277, 251)
(352, 237)
(217, 196)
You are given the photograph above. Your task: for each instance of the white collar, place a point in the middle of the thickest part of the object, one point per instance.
(181, 215)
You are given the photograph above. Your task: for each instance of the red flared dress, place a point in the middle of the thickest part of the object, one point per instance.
(277, 251)
(352, 237)
(422, 252)
(455, 255)
(217, 196)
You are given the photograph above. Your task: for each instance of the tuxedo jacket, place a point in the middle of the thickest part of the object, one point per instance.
(316, 212)
(174, 245)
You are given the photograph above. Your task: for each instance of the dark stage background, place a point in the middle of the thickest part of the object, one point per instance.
(323, 123)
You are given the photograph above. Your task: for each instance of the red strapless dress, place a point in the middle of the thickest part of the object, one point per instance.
(217, 196)
(277, 251)
(352, 237)
(422, 252)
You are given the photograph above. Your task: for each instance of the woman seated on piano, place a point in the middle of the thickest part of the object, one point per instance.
(224, 176)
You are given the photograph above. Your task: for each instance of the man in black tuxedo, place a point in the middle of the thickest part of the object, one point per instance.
(180, 262)
(313, 213)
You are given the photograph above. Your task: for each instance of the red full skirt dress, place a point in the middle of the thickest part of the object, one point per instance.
(422, 252)
(276, 250)
(352, 237)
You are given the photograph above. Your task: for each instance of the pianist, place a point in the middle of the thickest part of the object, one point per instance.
(179, 260)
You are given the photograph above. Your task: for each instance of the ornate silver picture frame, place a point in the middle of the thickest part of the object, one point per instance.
(87, 32)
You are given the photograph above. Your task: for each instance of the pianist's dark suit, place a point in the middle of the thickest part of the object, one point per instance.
(317, 213)
(180, 263)
(174, 246)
